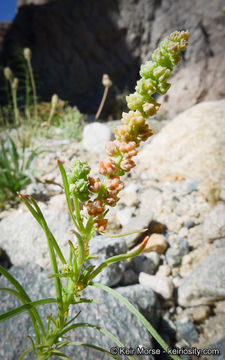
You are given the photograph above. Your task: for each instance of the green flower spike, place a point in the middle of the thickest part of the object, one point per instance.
(78, 180)
(155, 73)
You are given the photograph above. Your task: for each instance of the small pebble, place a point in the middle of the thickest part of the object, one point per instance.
(157, 242)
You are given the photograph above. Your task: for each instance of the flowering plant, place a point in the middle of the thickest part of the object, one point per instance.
(97, 195)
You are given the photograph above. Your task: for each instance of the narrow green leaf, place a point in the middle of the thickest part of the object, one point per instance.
(14, 153)
(23, 294)
(60, 354)
(89, 227)
(31, 312)
(25, 352)
(125, 234)
(32, 343)
(26, 307)
(117, 258)
(51, 242)
(30, 208)
(133, 310)
(74, 318)
(78, 343)
(41, 221)
(100, 329)
(67, 192)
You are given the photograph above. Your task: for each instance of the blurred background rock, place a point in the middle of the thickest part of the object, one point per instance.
(74, 42)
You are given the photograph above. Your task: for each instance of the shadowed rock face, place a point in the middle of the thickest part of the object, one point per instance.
(28, 2)
(75, 42)
(3, 29)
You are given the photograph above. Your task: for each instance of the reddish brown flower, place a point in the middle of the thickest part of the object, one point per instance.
(127, 165)
(94, 184)
(95, 207)
(108, 168)
(100, 224)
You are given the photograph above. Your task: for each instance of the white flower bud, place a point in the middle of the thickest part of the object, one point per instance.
(106, 80)
(8, 73)
(27, 53)
(55, 99)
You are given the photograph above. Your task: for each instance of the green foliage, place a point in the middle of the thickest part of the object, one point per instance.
(78, 186)
(72, 123)
(14, 166)
(66, 122)
(44, 109)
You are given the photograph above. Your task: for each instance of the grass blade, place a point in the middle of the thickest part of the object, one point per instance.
(78, 343)
(120, 257)
(11, 313)
(23, 294)
(25, 352)
(99, 328)
(67, 193)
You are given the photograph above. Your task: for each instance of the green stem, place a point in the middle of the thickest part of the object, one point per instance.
(58, 286)
(77, 212)
(33, 88)
(81, 251)
(15, 106)
(53, 106)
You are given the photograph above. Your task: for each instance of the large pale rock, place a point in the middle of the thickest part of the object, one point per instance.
(24, 241)
(206, 282)
(214, 224)
(192, 145)
(95, 137)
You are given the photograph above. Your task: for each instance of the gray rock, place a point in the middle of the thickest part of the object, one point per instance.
(95, 136)
(109, 313)
(105, 248)
(192, 186)
(205, 283)
(188, 332)
(161, 285)
(188, 88)
(175, 253)
(24, 241)
(141, 220)
(129, 278)
(147, 263)
(189, 224)
(220, 346)
(214, 224)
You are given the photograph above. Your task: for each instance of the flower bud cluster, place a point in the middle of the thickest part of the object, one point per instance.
(78, 180)
(133, 130)
(154, 74)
